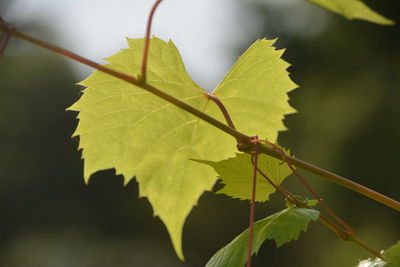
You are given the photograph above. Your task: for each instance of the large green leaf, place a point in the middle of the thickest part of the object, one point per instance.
(124, 127)
(283, 227)
(353, 9)
(236, 173)
(392, 255)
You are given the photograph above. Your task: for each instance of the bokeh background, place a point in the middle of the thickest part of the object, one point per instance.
(348, 122)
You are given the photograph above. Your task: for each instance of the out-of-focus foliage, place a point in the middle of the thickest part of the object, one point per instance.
(353, 9)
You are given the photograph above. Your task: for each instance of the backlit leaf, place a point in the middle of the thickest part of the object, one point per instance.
(282, 227)
(122, 126)
(237, 175)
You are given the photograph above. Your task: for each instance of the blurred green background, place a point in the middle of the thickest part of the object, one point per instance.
(348, 122)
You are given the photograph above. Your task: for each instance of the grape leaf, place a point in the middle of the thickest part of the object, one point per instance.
(392, 255)
(283, 227)
(122, 126)
(237, 175)
(353, 9)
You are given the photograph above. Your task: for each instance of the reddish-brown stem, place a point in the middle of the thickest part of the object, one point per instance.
(4, 42)
(342, 234)
(301, 179)
(222, 108)
(252, 204)
(290, 197)
(289, 161)
(348, 235)
(229, 121)
(7, 36)
(286, 194)
(147, 41)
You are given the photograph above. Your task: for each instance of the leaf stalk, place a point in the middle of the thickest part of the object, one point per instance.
(147, 41)
(252, 205)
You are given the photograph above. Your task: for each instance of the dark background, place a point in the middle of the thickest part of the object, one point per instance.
(348, 122)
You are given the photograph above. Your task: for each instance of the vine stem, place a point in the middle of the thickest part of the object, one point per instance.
(4, 42)
(342, 234)
(256, 141)
(221, 107)
(252, 204)
(308, 187)
(147, 40)
(243, 140)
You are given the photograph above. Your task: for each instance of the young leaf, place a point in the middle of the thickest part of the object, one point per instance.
(236, 174)
(392, 255)
(122, 126)
(283, 227)
(353, 9)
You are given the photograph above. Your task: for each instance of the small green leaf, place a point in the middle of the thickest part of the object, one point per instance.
(283, 227)
(392, 255)
(237, 175)
(353, 9)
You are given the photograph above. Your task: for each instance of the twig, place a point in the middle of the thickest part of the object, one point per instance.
(348, 235)
(342, 234)
(252, 204)
(301, 179)
(7, 36)
(4, 43)
(147, 41)
(222, 108)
